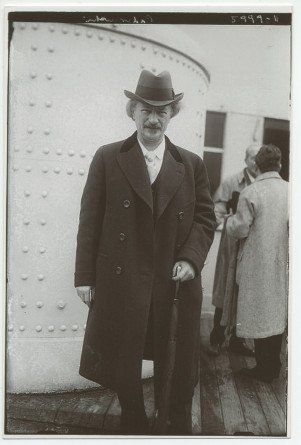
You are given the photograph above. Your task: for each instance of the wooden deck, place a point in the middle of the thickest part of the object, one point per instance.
(225, 403)
(232, 404)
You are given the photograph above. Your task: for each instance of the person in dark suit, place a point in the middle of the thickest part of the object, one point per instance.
(146, 221)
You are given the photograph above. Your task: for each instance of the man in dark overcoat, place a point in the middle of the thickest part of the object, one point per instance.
(146, 221)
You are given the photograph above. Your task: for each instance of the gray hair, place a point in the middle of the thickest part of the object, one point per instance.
(131, 104)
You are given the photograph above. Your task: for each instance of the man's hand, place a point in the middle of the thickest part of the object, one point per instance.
(183, 271)
(86, 294)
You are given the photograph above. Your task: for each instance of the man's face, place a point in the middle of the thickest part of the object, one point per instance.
(250, 161)
(151, 123)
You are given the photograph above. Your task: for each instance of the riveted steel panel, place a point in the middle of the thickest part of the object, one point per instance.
(66, 99)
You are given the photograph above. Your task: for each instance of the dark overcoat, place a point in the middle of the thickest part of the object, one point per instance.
(127, 252)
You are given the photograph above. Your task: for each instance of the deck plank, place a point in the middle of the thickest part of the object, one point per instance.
(271, 407)
(254, 415)
(212, 422)
(233, 415)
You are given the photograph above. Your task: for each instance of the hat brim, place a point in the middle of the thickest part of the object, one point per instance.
(155, 103)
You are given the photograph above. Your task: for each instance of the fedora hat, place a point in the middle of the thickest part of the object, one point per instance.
(154, 90)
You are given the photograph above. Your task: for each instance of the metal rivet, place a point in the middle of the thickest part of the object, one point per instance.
(69, 171)
(171, 57)
(48, 103)
(23, 304)
(49, 76)
(196, 133)
(57, 170)
(122, 236)
(77, 32)
(15, 168)
(143, 47)
(28, 168)
(47, 131)
(44, 194)
(154, 70)
(10, 328)
(100, 36)
(59, 151)
(133, 44)
(32, 103)
(27, 193)
(51, 28)
(43, 222)
(63, 327)
(42, 250)
(39, 304)
(22, 328)
(177, 60)
(25, 249)
(155, 50)
(39, 328)
(71, 152)
(30, 130)
(51, 328)
(22, 26)
(142, 66)
(126, 203)
(183, 63)
(122, 41)
(41, 277)
(60, 304)
(33, 75)
(81, 171)
(89, 34)
(82, 154)
(16, 149)
(35, 26)
(74, 327)
(24, 276)
(46, 150)
(118, 270)
(163, 54)
(188, 66)
(45, 169)
(51, 49)
(64, 30)
(26, 221)
(29, 149)
(34, 47)
(112, 39)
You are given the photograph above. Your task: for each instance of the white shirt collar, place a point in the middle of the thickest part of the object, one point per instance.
(159, 151)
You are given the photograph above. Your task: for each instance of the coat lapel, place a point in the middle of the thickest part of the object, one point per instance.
(170, 178)
(132, 163)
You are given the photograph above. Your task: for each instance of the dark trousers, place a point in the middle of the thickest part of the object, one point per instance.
(217, 335)
(267, 355)
(133, 416)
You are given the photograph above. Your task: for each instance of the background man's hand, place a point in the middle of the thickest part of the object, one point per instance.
(86, 294)
(185, 271)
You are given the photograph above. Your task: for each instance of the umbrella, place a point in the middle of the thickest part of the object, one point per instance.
(161, 415)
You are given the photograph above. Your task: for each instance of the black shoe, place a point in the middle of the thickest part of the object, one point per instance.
(256, 373)
(240, 348)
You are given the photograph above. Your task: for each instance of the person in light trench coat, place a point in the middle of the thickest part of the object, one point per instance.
(261, 225)
(131, 237)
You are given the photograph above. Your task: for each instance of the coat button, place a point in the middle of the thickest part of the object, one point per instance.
(122, 236)
(180, 216)
(126, 203)
(118, 270)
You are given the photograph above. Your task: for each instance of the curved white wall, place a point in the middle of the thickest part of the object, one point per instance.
(66, 99)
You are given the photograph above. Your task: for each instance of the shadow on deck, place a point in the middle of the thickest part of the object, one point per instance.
(225, 403)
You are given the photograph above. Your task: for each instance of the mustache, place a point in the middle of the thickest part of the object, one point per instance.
(152, 127)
